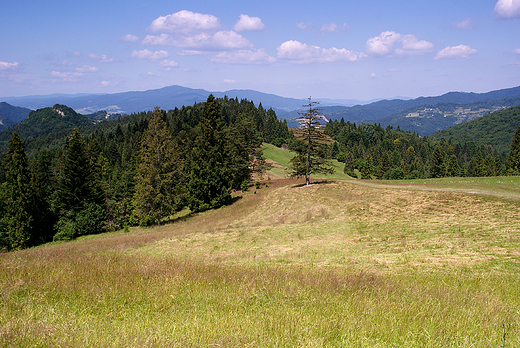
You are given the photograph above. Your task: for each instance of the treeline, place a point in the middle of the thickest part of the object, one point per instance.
(138, 170)
(385, 153)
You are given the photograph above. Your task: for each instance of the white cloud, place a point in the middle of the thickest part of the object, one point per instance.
(87, 68)
(69, 76)
(333, 27)
(146, 54)
(105, 83)
(460, 51)
(411, 45)
(466, 24)
(220, 40)
(516, 50)
(184, 22)
(244, 57)
(102, 58)
(373, 75)
(303, 53)
(383, 44)
(304, 26)
(229, 81)
(508, 8)
(6, 65)
(168, 64)
(162, 40)
(248, 23)
(129, 38)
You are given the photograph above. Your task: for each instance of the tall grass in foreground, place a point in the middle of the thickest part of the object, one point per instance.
(111, 299)
(355, 267)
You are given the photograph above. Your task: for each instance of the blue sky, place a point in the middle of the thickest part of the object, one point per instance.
(324, 49)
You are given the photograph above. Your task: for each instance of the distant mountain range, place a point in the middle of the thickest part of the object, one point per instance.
(425, 115)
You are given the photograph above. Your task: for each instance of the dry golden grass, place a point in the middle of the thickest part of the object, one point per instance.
(334, 264)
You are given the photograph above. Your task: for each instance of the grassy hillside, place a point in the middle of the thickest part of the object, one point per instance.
(425, 263)
(280, 158)
(496, 129)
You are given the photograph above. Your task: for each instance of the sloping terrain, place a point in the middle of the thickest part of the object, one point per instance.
(338, 263)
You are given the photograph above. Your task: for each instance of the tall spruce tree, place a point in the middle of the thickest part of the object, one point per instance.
(19, 194)
(513, 161)
(158, 177)
(311, 158)
(210, 176)
(437, 167)
(80, 204)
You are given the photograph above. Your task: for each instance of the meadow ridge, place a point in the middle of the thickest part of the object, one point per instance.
(339, 263)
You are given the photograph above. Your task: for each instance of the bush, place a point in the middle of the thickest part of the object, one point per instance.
(66, 230)
(395, 173)
(90, 220)
(244, 186)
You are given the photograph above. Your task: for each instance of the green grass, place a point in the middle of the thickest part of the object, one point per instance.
(337, 264)
(281, 159)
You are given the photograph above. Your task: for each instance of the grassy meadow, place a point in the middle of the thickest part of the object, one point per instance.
(340, 263)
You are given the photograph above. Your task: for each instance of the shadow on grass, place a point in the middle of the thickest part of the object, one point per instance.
(318, 182)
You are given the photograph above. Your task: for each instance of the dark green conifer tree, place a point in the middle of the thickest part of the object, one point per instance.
(437, 167)
(210, 176)
(158, 178)
(80, 204)
(453, 168)
(513, 161)
(19, 195)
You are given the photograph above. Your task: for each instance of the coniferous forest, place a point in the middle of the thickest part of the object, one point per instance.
(140, 169)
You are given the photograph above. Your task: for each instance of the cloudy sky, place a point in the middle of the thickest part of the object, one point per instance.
(325, 49)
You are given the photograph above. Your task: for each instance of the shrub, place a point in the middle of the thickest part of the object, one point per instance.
(244, 186)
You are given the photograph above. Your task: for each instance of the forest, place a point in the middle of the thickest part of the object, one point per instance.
(63, 177)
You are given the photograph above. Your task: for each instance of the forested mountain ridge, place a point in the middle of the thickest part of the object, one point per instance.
(10, 115)
(495, 129)
(57, 121)
(415, 114)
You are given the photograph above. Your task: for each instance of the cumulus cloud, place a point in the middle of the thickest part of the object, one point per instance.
(184, 22)
(460, 51)
(248, 23)
(466, 24)
(87, 68)
(383, 44)
(6, 65)
(244, 57)
(129, 38)
(411, 45)
(303, 53)
(102, 58)
(146, 54)
(516, 50)
(507, 8)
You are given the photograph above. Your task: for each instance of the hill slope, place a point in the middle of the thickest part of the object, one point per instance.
(58, 120)
(496, 129)
(10, 115)
(340, 264)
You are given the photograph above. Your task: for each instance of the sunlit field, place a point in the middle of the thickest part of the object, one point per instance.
(340, 263)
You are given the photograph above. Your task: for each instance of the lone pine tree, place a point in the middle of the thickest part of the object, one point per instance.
(310, 159)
